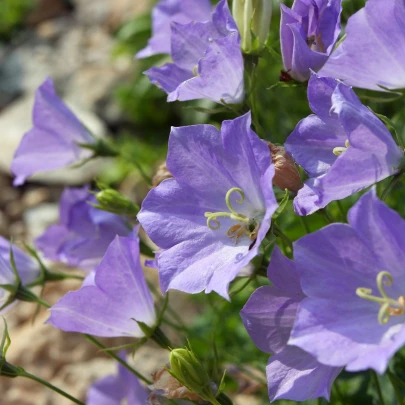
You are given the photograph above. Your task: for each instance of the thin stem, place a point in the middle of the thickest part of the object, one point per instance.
(304, 224)
(342, 211)
(394, 384)
(52, 387)
(325, 214)
(278, 232)
(378, 387)
(117, 358)
(391, 185)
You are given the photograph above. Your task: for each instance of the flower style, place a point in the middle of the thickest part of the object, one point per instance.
(168, 11)
(83, 233)
(373, 53)
(308, 33)
(354, 278)
(54, 140)
(268, 317)
(113, 389)
(207, 58)
(210, 219)
(27, 269)
(344, 147)
(116, 300)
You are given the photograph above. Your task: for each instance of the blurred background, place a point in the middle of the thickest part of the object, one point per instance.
(88, 48)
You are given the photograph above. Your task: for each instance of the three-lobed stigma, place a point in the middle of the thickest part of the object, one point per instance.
(389, 306)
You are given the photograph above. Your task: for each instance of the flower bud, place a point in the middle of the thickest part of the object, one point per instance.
(286, 173)
(162, 173)
(169, 387)
(113, 201)
(252, 17)
(188, 370)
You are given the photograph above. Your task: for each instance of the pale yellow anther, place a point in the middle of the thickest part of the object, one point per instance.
(340, 149)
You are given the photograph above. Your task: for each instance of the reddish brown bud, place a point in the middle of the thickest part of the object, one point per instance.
(286, 173)
(161, 174)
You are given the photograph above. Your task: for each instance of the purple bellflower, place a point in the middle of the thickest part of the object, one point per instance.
(114, 389)
(268, 317)
(373, 53)
(168, 11)
(210, 218)
(83, 233)
(354, 279)
(308, 32)
(207, 58)
(27, 269)
(344, 147)
(115, 303)
(53, 141)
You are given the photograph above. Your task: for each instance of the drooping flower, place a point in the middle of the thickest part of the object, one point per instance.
(53, 141)
(114, 389)
(83, 234)
(308, 34)
(269, 316)
(373, 53)
(354, 278)
(27, 268)
(168, 11)
(344, 147)
(114, 302)
(28, 271)
(207, 58)
(210, 219)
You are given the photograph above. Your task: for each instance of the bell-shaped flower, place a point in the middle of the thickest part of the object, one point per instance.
(28, 271)
(114, 389)
(373, 53)
(210, 218)
(207, 61)
(115, 302)
(83, 233)
(343, 147)
(54, 140)
(168, 11)
(354, 278)
(308, 34)
(269, 316)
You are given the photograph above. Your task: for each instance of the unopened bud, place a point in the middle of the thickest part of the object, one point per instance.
(169, 387)
(113, 201)
(188, 370)
(253, 20)
(286, 173)
(162, 173)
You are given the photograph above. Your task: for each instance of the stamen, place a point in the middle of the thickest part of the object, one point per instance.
(340, 149)
(233, 214)
(389, 306)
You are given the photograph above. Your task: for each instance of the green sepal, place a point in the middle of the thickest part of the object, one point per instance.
(282, 204)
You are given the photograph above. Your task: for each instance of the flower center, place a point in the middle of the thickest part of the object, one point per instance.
(246, 226)
(315, 43)
(389, 306)
(340, 149)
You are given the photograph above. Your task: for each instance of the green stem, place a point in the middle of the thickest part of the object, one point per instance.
(304, 224)
(278, 232)
(394, 384)
(50, 386)
(342, 211)
(117, 358)
(325, 214)
(391, 185)
(378, 387)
